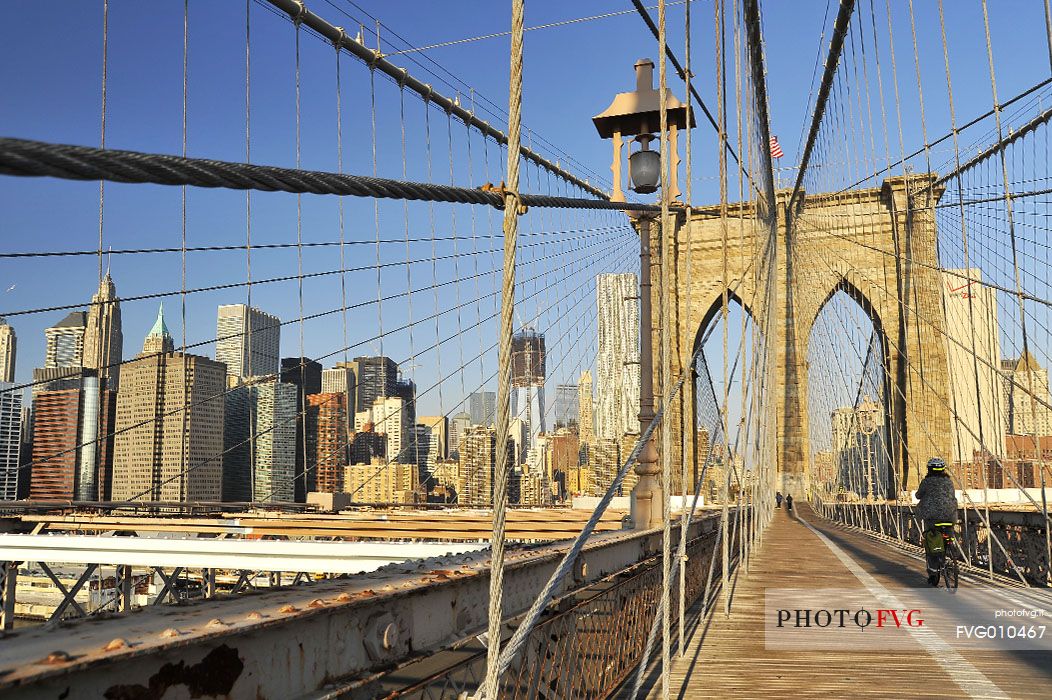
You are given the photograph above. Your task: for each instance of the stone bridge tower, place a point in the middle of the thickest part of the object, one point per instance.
(879, 246)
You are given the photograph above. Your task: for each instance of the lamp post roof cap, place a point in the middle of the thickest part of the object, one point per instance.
(638, 112)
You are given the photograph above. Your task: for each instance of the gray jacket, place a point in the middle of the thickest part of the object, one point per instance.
(937, 500)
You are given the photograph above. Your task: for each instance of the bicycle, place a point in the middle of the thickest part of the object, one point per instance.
(946, 564)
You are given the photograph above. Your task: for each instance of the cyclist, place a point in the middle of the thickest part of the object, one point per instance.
(937, 508)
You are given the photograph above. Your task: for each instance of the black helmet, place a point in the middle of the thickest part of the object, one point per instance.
(936, 464)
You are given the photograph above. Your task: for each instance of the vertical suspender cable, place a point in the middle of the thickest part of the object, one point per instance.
(248, 227)
(1015, 259)
(721, 99)
(297, 21)
(741, 234)
(686, 412)
(102, 209)
(184, 490)
(967, 263)
(507, 311)
(666, 436)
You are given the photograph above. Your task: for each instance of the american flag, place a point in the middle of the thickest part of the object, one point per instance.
(776, 150)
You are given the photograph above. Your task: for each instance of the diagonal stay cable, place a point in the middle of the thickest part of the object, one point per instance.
(642, 10)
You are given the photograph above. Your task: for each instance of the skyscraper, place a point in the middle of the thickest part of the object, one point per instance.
(367, 445)
(340, 380)
(1027, 397)
(406, 390)
(566, 405)
(25, 458)
(381, 483)
(420, 439)
(351, 381)
(259, 457)
(391, 417)
(586, 414)
(604, 462)
(971, 323)
(248, 341)
(10, 440)
(376, 378)
(519, 438)
(159, 339)
(305, 375)
(458, 424)
(438, 445)
(617, 361)
(527, 382)
(65, 341)
(8, 351)
(274, 470)
(478, 455)
(73, 439)
(860, 448)
(564, 450)
(327, 446)
(103, 338)
(482, 405)
(169, 425)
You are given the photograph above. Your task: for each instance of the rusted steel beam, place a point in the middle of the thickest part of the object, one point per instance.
(286, 643)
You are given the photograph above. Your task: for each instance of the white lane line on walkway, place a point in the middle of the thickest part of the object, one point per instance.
(967, 677)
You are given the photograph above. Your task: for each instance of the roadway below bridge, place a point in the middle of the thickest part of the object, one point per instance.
(741, 656)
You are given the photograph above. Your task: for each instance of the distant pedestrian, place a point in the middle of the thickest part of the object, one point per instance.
(789, 502)
(778, 499)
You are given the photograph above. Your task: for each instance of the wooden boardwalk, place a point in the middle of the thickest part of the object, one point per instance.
(727, 658)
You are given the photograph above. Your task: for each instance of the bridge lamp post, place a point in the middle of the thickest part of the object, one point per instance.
(637, 115)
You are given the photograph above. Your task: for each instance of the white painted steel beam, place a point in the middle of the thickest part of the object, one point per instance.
(256, 555)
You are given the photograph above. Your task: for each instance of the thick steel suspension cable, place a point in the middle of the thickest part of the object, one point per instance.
(836, 46)
(29, 158)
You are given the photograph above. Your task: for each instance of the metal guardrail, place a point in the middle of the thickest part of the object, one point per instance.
(584, 651)
(226, 567)
(398, 626)
(1018, 535)
(91, 590)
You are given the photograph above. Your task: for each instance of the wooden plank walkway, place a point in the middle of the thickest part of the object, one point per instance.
(727, 658)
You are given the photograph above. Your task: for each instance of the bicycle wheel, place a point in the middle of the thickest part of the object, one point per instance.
(951, 574)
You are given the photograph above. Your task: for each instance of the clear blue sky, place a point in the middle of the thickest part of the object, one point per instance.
(50, 79)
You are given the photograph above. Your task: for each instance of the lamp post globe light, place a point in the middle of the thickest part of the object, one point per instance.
(637, 114)
(644, 167)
